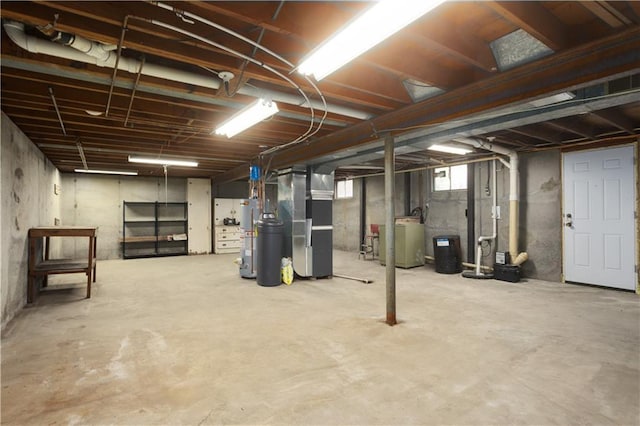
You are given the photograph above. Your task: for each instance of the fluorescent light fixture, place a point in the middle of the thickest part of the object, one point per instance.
(553, 99)
(367, 30)
(449, 149)
(247, 117)
(162, 161)
(106, 172)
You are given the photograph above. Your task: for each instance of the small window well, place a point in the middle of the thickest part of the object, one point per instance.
(344, 189)
(450, 178)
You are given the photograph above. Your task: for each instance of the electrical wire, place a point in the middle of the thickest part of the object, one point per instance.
(310, 132)
(486, 253)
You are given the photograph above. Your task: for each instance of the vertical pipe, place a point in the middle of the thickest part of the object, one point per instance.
(421, 194)
(390, 254)
(407, 194)
(471, 212)
(363, 211)
(513, 206)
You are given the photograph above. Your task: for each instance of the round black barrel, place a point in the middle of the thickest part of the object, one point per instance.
(269, 250)
(447, 254)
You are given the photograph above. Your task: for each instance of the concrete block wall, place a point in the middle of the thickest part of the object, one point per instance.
(346, 212)
(540, 225)
(96, 200)
(445, 215)
(27, 199)
(346, 220)
(540, 214)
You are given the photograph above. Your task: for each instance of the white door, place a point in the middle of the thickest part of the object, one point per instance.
(199, 198)
(598, 213)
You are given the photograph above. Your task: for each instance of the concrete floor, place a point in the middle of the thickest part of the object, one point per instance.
(184, 340)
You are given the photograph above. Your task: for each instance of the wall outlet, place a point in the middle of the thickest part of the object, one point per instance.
(495, 212)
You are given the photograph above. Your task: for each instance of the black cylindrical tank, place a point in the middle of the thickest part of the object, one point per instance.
(269, 250)
(447, 254)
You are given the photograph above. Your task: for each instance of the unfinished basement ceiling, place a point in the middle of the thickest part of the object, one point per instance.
(466, 68)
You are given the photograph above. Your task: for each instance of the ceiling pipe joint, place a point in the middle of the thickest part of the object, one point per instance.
(83, 50)
(513, 185)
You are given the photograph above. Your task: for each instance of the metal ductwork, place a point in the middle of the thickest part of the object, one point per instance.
(305, 203)
(77, 48)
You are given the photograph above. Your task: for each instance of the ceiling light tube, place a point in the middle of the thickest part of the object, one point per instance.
(247, 117)
(162, 161)
(449, 149)
(367, 30)
(106, 172)
(553, 99)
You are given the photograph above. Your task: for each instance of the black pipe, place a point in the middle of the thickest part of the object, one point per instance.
(407, 194)
(471, 213)
(363, 211)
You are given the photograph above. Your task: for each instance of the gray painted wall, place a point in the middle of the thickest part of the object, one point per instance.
(346, 212)
(539, 225)
(96, 200)
(27, 200)
(346, 220)
(445, 215)
(540, 214)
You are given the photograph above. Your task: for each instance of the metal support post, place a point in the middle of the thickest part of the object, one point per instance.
(390, 237)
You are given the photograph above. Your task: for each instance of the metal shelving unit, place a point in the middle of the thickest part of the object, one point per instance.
(151, 229)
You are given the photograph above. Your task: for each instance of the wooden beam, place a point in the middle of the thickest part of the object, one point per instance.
(155, 41)
(579, 66)
(571, 127)
(539, 133)
(438, 35)
(403, 58)
(606, 13)
(616, 119)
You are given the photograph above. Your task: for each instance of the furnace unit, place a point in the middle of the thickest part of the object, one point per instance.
(305, 205)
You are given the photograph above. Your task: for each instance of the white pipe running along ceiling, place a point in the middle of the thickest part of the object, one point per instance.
(91, 52)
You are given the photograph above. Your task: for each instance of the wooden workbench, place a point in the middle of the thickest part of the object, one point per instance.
(40, 265)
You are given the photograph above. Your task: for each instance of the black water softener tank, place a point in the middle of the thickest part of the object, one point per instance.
(447, 254)
(269, 250)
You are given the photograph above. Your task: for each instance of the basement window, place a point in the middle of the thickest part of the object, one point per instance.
(450, 178)
(344, 189)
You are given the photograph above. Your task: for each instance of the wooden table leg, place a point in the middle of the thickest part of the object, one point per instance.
(95, 255)
(89, 267)
(45, 279)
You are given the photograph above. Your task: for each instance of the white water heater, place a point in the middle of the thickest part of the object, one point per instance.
(249, 216)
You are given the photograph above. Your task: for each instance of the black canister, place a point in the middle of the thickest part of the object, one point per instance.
(269, 250)
(447, 254)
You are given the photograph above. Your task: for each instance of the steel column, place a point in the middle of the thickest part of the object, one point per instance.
(390, 234)
(471, 213)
